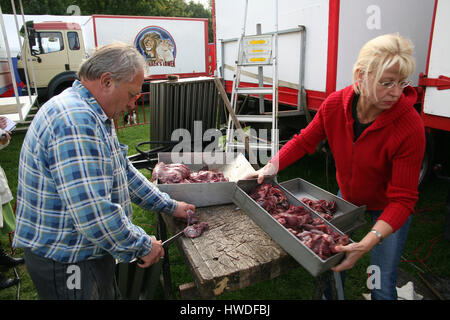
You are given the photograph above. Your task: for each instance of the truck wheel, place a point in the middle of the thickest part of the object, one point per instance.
(60, 83)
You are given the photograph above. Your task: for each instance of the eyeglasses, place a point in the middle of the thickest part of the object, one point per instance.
(391, 84)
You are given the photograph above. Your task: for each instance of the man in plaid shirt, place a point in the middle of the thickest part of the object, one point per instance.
(76, 184)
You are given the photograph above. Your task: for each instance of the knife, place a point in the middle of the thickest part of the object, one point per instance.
(172, 239)
(165, 244)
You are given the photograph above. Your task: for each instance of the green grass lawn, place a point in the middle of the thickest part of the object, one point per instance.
(425, 246)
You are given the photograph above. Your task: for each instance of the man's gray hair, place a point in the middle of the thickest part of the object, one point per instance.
(122, 60)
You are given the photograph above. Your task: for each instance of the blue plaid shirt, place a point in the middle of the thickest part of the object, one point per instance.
(76, 185)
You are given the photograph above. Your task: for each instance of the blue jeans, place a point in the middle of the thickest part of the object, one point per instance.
(387, 257)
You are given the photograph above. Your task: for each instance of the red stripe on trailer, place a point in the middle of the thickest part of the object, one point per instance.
(95, 31)
(205, 25)
(56, 25)
(435, 122)
(213, 47)
(148, 17)
(181, 75)
(333, 40)
(431, 35)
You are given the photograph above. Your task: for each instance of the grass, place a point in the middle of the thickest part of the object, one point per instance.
(425, 246)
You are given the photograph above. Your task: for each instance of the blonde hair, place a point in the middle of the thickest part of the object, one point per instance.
(380, 54)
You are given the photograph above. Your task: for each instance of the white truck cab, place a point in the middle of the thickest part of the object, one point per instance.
(57, 50)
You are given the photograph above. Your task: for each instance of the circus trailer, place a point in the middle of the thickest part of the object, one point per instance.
(435, 85)
(318, 43)
(58, 45)
(170, 45)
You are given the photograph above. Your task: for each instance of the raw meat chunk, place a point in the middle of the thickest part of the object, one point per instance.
(179, 173)
(195, 230)
(312, 232)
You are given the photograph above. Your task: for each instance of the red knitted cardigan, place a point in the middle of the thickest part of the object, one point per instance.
(381, 168)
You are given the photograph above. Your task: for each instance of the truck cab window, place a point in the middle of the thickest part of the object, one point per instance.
(47, 42)
(74, 41)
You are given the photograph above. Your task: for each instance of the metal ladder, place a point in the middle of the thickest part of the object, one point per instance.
(261, 51)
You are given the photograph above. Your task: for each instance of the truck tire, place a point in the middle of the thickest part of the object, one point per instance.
(60, 83)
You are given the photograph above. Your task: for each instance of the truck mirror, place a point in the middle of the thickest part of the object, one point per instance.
(31, 38)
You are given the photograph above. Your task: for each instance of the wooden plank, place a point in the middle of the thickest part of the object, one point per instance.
(188, 291)
(234, 253)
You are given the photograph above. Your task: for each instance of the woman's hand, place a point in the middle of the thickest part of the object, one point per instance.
(269, 170)
(354, 252)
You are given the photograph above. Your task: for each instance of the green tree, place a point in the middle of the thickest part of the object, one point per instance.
(161, 8)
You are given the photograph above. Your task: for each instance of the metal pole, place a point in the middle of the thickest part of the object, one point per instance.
(260, 76)
(11, 66)
(29, 51)
(275, 132)
(26, 66)
(245, 18)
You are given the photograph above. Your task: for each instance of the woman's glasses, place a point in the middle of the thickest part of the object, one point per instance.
(391, 84)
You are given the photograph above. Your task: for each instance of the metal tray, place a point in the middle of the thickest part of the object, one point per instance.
(347, 218)
(290, 243)
(206, 194)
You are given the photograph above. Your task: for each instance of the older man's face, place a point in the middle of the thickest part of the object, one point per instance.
(124, 95)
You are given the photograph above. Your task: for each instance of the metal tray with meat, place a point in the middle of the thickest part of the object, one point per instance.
(297, 237)
(342, 214)
(223, 168)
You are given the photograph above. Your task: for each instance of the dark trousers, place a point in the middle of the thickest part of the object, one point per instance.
(85, 280)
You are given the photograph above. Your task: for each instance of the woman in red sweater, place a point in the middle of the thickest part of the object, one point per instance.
(378, 141)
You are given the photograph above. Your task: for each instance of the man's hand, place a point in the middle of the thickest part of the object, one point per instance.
(182, 208)
(154, 255)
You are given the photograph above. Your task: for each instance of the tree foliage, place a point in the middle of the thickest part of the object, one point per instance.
(161, 8)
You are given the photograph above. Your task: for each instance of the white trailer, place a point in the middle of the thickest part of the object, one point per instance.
(171, 45)
(435, 82)
(189, 37)
(335, 32)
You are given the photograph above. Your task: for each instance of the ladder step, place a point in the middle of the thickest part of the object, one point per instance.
(243, 64)
(286, 113)
(241, 145)
(255, 90)
(255, 118)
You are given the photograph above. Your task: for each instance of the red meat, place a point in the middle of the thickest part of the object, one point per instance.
(312, 232)
(179, 173)
(195, 230)
(192, 218)
(326, 209)
(170, 173)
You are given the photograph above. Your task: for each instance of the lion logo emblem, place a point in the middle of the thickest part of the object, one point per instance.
(157, 46)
